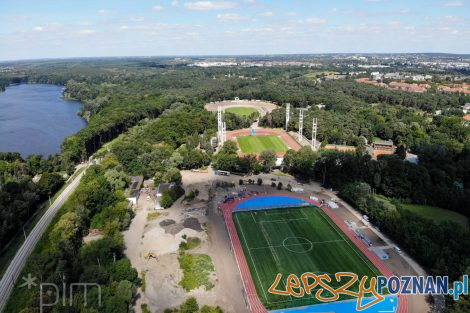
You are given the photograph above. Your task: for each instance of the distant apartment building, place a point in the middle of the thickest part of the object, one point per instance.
(409, 87)
(466, 108)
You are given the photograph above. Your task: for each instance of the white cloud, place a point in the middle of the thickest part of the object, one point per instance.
(455, 3)
(291, 14)
(150, 27)
(85, 23)
(313, 21)
(47, 27)
(103, 12)
(136, 27)
(38, 29)
(175, 3)
(157, 8)
(267, 14)
(210, 5)
(137, 19)
(231, 17)
(257, 30)
(86, 32)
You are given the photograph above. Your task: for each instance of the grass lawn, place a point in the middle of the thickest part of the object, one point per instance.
(296, 241)
(245, 111)
(437, 214)
(257, 144)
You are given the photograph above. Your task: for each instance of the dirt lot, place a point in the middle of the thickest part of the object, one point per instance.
(152, 247)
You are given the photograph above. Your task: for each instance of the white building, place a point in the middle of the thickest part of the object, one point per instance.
(466, 108)
(133, 192)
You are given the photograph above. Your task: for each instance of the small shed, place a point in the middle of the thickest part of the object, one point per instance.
(133, 192)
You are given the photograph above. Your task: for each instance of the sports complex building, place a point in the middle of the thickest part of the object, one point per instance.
(255, 139)
(285, 234)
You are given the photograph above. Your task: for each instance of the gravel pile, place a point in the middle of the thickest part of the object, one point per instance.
(167, 222)
(192, 223)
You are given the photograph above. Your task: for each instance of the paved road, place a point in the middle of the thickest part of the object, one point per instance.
(14, 269)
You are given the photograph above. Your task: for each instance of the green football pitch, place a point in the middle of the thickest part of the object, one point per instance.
(245, 111)
(297, 241)
(257, 144)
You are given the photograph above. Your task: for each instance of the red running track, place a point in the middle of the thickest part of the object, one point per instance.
(253, 300)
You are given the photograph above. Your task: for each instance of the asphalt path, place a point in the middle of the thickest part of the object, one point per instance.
(16, 266)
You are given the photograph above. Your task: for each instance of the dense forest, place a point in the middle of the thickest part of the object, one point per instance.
(147, 118)
(60, 256)
(20, 198)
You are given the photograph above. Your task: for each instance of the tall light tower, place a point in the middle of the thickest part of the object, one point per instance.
(221, 136)
(314, 134)
(287, 114)
(224, 133)
(301, 123)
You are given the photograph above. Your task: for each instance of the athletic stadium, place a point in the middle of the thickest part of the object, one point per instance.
(290, 234)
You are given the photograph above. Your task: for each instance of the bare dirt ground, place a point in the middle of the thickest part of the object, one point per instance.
(159, 240)
(263, 107)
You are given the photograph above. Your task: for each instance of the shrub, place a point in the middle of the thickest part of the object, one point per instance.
(189, 306)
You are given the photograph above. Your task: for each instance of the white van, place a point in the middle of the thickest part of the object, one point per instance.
(397, 250)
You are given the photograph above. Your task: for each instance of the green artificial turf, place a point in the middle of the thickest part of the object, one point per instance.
(296, 241)
(257, 144)
(245, 111)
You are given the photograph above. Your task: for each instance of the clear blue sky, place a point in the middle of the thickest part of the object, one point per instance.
(77, 28)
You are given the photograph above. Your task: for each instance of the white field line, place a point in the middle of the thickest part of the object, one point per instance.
(280, 220)
(342, 236)
(251, 257)
(272, 250)
(298, 244)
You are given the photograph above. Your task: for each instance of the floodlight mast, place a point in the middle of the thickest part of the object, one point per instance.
(221, 127)
(301, 124)
(314, 134)
(287, 114)
(224, 133)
